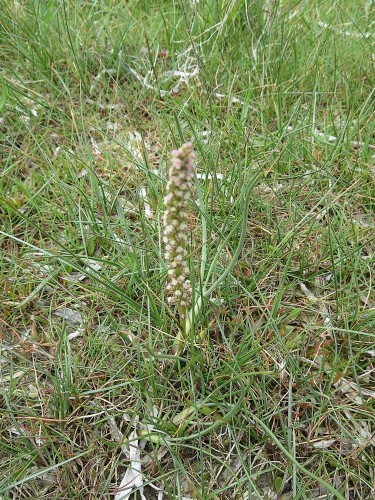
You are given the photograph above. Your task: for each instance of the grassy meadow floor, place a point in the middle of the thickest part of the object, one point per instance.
(272, 396)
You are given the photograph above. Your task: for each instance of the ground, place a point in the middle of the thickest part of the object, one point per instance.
(272, 393)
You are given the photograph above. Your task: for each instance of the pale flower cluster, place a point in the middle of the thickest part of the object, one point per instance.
(176, 225)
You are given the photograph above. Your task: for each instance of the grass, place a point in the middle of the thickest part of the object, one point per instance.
(272, 395)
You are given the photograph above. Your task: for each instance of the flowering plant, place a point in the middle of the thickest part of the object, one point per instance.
(176, 227)
(175, 238)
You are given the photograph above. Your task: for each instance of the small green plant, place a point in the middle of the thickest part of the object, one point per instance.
(181, 174)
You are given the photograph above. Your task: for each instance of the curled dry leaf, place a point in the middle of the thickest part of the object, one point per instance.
(322, 444)
(69, 315)
(133, 477)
